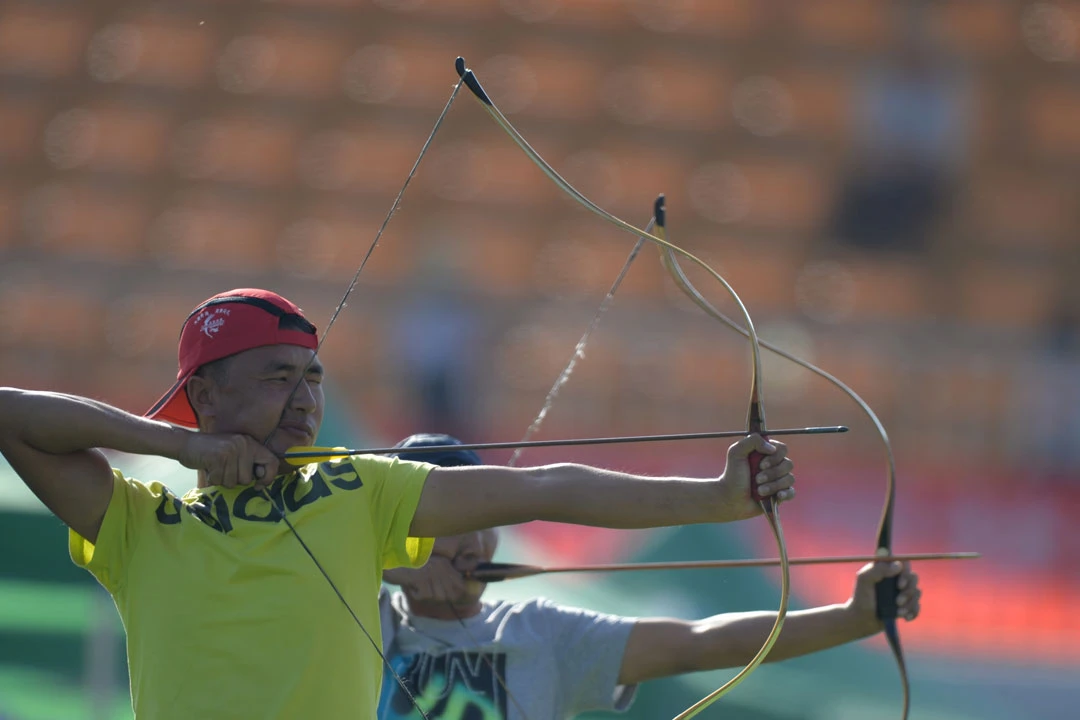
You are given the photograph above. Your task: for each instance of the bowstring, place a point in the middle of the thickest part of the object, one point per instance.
(579, 349)
(545, 408)
(280, 509)
(486, 657)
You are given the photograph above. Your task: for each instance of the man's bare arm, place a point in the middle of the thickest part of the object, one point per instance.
(660, 647)
(461, 499)
(50, 441)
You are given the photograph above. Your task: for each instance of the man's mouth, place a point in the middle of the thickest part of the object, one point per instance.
(297, 429)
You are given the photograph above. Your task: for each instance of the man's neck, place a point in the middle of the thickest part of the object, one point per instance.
(442, 610)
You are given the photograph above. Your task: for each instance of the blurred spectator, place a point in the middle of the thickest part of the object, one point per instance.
(911, 122)
(436, 341)
(1056, 410)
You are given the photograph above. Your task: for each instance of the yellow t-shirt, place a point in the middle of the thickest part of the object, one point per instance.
(227, 616)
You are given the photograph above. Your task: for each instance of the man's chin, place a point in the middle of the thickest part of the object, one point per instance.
(285, 440)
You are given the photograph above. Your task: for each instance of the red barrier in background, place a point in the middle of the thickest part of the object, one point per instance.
(1015, 603)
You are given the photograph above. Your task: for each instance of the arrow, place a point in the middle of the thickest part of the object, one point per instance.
(301, 455)
(494, 572)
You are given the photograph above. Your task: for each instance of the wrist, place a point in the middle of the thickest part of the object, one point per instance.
(863, 621)
(169, 441)
(397, 576)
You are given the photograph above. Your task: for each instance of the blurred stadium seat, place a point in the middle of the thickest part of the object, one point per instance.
(495, 258)
(422, 67)
(675, 93)
(987, 30)
(284, 58)
(86, 221)
(890, 290)
(212, 233)
(151, 155)
(9, 215)
(1028, 217)
(727, 19)
(848, 24)
(113, 138)
(246, 148)
(562, 79)
(1005, 296)
(76, 317)
(20, 128)
(173, 50)
(1053, 115)
(821, 104)
(42, 40)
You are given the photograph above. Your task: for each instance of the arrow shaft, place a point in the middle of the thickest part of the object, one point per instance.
(335, 452)
(515, 571)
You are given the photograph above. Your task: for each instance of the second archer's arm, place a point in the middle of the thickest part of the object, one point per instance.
(660, 647)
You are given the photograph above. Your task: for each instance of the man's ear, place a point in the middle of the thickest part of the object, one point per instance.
(201, 393)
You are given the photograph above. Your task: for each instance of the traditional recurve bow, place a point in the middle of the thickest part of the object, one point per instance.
(886, 589)
(756, 412)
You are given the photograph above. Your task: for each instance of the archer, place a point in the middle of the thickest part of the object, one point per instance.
(239, 598)
(536, 660)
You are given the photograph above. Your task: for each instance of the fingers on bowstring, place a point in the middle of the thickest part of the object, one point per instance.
(264, 464)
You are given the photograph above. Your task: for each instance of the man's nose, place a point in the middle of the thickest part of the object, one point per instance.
(304, 397)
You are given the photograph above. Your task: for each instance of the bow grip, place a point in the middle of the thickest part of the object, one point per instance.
(886, 592)
(755, 459)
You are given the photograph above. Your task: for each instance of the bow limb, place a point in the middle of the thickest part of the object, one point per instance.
(756, 415)
(886, 589)
(469, 78)
(755, 424)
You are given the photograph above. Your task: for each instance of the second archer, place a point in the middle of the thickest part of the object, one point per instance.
(537, 660)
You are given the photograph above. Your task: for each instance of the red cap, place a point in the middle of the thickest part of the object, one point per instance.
(225, 325)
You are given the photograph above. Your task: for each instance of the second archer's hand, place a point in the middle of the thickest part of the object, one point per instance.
(863, 602)
(774, 478)
(437, 581)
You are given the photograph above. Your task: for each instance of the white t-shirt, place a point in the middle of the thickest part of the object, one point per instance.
(556, 662)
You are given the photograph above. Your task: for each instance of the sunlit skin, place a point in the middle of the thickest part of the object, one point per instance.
(658, 646)
(249, 395)
(445, 593)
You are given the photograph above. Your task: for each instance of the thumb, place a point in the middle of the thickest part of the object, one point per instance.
(749, 444)
(881, 570)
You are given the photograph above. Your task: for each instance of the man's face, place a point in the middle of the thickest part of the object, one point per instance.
(255, 387)
(465, 552)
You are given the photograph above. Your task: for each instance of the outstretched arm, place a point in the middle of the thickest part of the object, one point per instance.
(461, 499)
(50, 441)
(659, 647)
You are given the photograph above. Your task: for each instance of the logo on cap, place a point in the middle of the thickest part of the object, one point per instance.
(211, 321)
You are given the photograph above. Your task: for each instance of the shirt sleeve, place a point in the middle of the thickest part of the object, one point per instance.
(397, 486)
(590, 647)
(107, 559)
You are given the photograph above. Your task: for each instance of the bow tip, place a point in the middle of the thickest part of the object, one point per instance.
(470, 81)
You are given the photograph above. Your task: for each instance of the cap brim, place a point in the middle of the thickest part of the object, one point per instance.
(174, 407)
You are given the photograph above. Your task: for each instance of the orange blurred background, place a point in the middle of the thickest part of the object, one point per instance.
(892, 187)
